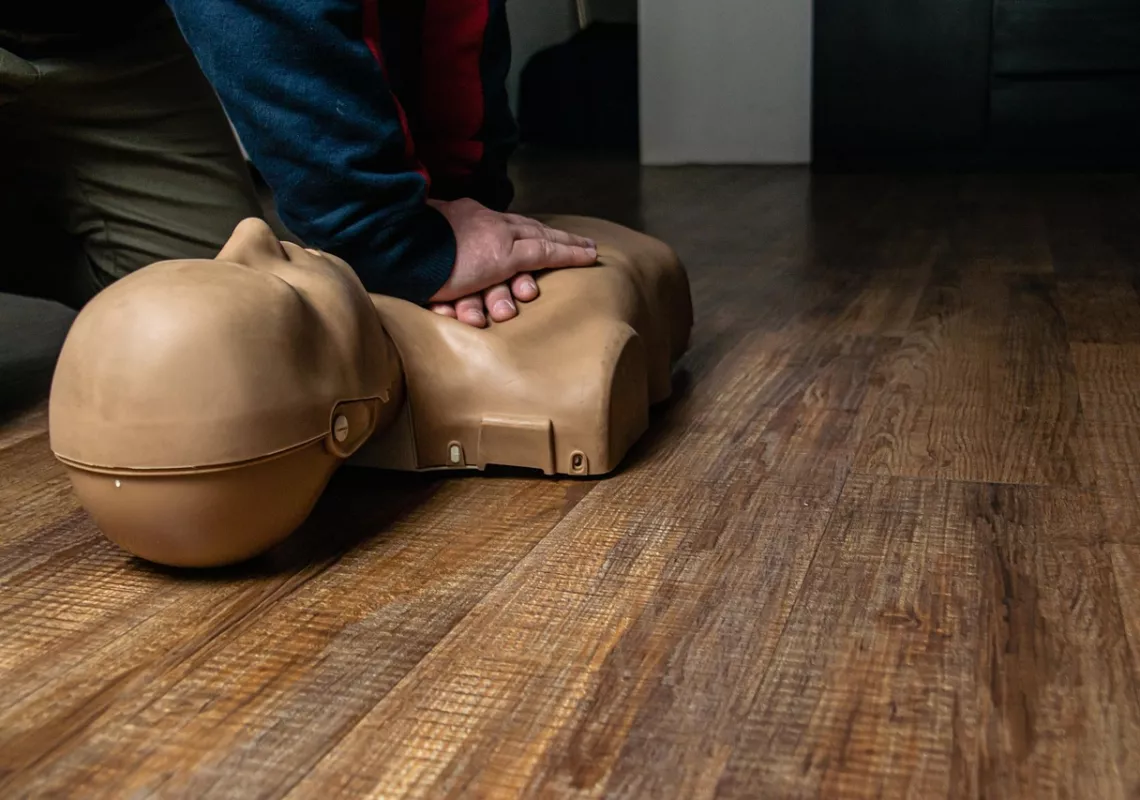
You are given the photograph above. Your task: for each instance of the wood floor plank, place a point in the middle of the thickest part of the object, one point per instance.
(130, 681)
(1059, 713)
(882, 633)
(887, 303)
(1100, 311)
(1109, 379)
(34, 493)
(983, 388)
(940, 625)
(1126, 571)
(999, 226)
(1108, 376)
(1092, 226)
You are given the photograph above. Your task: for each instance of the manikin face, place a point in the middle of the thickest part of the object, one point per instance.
(254, 244)
(206, 362)
(200, 406)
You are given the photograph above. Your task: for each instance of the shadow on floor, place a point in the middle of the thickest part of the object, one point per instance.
(358, 505)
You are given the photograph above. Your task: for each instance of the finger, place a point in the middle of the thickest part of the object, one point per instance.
(529, 255)
(536, 231)
(524, 287)
(525, 222)
(444, 309)
(470, 310)
(499, 302)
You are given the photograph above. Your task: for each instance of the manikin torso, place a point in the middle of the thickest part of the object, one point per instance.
(201, 406)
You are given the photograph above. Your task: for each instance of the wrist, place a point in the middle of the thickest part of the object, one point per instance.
(411, 258)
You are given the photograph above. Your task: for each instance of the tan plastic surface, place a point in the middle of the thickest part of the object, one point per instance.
(200, 363)
(201, 406)
(565, 387)
(210, 517)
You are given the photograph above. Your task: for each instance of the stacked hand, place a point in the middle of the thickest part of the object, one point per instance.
(495, 258)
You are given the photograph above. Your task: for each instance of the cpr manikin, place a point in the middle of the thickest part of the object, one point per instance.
(200, 407)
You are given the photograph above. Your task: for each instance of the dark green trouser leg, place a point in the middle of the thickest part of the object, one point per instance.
(112, 156)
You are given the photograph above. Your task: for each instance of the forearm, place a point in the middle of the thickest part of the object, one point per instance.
(311, 103)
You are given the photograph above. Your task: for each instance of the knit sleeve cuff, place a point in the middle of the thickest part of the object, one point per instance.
(411, 259)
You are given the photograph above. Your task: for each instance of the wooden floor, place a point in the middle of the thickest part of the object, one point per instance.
(885, 542)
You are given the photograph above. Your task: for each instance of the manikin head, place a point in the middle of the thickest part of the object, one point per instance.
(200, 406)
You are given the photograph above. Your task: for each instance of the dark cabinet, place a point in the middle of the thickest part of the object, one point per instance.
(1066, 37)
(976, 83)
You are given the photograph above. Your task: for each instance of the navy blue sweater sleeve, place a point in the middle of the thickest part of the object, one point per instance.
(312, 106)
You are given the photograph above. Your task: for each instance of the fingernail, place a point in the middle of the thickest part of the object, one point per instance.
(530, 286)
(504, 307)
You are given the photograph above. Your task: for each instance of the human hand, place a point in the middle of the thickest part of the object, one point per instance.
(495, 255)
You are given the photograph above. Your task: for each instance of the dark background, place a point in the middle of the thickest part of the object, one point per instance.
(976, 83)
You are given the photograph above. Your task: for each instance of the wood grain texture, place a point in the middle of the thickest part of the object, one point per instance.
(946, 675)
(1110, 399)
(882, 542)
(982, 388)
(271, 667)
(1126, 572)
